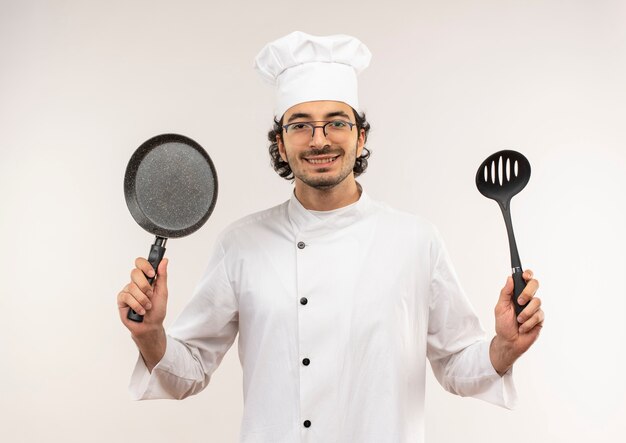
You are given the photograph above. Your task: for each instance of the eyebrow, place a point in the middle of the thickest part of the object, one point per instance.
(337, 114)
(298, 115)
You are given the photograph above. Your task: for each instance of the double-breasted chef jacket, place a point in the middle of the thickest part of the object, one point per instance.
(336, 314)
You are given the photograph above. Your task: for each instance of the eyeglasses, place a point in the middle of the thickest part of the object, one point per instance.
(303, 132)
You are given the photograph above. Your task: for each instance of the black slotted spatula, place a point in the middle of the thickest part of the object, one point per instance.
(500, 177)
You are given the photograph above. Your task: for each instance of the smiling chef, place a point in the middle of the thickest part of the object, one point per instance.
(338, 300)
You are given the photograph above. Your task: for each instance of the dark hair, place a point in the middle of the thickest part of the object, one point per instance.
(282, 167)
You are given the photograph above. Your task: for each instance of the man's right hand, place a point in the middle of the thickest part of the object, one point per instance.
(149, 301)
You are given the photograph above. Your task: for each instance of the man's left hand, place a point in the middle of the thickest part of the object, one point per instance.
(515, 335)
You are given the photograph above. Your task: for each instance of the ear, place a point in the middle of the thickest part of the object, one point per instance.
(360, 143)
(281, 147)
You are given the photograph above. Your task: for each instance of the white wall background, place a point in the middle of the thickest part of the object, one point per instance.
(83, 84)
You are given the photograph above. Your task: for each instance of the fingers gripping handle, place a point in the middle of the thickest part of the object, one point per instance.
(156, 255)
(519, 285)
(157, 251)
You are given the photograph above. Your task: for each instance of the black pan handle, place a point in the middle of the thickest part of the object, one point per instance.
(519, 285)
(157, 251)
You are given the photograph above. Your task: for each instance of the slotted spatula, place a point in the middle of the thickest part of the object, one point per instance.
(500, 177)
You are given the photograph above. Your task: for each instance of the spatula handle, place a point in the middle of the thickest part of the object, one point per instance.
(519, 285)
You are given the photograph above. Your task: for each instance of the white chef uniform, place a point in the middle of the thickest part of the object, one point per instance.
(336, 317)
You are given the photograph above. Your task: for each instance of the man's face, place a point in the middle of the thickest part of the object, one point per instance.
(321, 162)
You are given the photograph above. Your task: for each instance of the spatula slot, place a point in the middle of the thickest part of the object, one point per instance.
(508, 169)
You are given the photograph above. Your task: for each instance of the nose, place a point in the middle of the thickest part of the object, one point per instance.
(318, 138)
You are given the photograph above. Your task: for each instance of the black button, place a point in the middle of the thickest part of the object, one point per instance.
(307, 423)
(303, 301)
(306, 362)
(301, 244)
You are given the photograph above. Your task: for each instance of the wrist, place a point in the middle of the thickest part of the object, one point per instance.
(152, 345)
(501, 354)
(148, 335)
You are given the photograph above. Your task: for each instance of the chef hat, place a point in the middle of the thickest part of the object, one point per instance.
(305, 68)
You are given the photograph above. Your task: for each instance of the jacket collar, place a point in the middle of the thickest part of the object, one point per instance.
(303, 221)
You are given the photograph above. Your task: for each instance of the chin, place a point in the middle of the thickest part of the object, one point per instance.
(322, 182)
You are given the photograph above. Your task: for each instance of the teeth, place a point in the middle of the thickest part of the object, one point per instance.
(321, 160)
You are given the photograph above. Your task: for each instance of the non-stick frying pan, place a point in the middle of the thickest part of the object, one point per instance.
(171, 189)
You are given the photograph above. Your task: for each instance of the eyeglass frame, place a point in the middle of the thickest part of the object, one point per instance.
(314, 127)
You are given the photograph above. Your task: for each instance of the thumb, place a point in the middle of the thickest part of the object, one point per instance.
(162, 273)
(507, 291)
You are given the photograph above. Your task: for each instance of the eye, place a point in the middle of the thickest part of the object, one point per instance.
(298, 126)
(338, 124)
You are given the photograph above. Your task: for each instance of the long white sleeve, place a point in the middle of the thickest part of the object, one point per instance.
(458, 347)
(196, 342)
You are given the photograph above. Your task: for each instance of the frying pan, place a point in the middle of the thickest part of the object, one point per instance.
(170, 187)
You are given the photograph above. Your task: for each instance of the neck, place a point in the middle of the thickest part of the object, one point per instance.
(343, 194)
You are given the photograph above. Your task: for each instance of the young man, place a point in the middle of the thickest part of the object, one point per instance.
(338, 300)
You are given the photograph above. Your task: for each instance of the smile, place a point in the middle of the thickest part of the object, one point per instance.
(321, 160)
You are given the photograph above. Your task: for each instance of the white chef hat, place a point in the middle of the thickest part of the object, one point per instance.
(306, 68)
